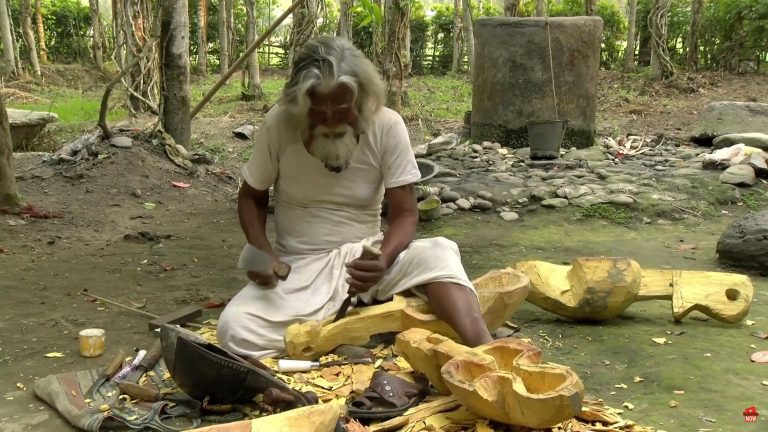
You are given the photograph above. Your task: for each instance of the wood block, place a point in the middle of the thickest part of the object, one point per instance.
(500, 293)
(180, 316)
(314, 418)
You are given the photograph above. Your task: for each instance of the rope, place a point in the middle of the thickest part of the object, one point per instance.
(551, 66)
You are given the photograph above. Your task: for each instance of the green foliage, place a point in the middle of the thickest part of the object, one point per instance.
(617, 215)
(66, 27)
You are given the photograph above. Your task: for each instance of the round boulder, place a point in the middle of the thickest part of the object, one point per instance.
(745, 242)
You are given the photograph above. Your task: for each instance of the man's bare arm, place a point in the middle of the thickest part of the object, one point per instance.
(252, 211)
(402, 219)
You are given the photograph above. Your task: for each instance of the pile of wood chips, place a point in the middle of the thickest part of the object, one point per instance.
(434, 414)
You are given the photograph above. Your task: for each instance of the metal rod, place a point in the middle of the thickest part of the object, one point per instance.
(145, 313)
(244, 57)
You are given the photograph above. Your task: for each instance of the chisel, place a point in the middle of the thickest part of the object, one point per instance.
(369, 253)
(287, 365)
(106, 374)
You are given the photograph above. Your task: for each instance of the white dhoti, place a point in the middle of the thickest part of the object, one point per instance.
(254, 321)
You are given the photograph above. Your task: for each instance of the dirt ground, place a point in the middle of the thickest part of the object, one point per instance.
(107, 238)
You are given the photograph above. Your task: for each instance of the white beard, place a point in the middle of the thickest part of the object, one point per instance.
(334, 147)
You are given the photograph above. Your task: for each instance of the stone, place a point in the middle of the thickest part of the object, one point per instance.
(571, 192)
(757, 140)
(739, 175)
(622, 199)
(442, 143)
(485, 195)
(420, 150)
(686, 171)
(481, 204)
(463, 204)
(758, 163)
(586, 154)
(451, 206)
(723, 118)
(523, 153)
(477, 148)
(487, 145)
(449, 196)
(745, 242)
(515, 195)
(588, 200)
(543, 193)
(509, 216)
(245, 132)
(504, 76)
(444, 172)
(554, 203)
(508, 178)
(446, 211)
(622, 187)
(26, 125)
(121, 142)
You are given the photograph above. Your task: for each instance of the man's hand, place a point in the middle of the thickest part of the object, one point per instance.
(264, 280)
(365, 273)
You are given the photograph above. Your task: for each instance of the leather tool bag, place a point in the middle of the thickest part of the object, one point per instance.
(202, 370)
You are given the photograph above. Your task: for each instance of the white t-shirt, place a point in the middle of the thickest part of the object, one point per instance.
(317, 210)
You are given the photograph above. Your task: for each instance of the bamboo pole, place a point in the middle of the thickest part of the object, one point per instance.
(244, 57)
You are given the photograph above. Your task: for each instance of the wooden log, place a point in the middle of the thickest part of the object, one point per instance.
(597, 289)
(500, 293)
(503, 380)
(314, 418)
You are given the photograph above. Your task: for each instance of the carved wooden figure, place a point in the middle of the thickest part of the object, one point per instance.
(597, 289)
(502, 380)
(500, 292)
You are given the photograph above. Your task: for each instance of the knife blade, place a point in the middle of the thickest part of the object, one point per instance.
(109, 370)
(369, 253)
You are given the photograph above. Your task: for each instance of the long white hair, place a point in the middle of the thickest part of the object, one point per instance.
(325, 62)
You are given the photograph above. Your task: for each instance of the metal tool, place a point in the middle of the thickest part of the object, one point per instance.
(287, 365)
(369, 253)
(254, 259)
(180, 316)
(106, 374)
(146, 364)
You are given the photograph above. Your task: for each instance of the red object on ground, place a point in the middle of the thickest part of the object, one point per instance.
(30, 211)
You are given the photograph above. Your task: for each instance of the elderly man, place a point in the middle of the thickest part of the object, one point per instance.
(332, 151)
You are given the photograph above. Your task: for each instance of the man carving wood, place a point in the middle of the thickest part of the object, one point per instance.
(332, 151)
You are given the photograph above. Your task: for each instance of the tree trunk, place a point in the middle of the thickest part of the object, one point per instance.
(223, 38)
(8, 191)
(692, 58)
(590, 7)
(456, 61)
(345, 19)
(7, 38)
(42, 50)
(629, 53)
(541, 7)
(469, 36)
(511, 7)
(117, 30)
(253, 85)
(29, 36)
(231, 33)
(377, 36)
(202, 37)
(98, 44)
(142, 81)
(661, 66)
(397, 17)
(304, 27)
(174, 53)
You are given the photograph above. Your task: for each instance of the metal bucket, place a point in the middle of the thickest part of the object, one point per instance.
(545, 138)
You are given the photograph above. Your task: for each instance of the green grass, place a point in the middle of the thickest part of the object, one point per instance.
(72, 106)
(755, 200)
(438, 97)
(617, 215)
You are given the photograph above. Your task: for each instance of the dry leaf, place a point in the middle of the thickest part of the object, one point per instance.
(628, 406)
(760, 357)
(620, 385)
(181, 184)
(678, 392)
(685, 247)
(329, 375)
(749, 322)
(765, 383)
(390, 367)
(355, 426)
(761, 335)
(707, 355)
(606, 362)
(637, 379)
(21, 386)
(673, 404)
(660, 341)
(54, 355)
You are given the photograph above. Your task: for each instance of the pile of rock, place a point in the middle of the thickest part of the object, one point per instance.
(743, 157)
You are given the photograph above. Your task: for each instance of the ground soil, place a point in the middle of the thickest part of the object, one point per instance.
(104, 239)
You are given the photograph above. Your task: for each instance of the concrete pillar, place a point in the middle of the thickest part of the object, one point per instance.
(512, 83)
